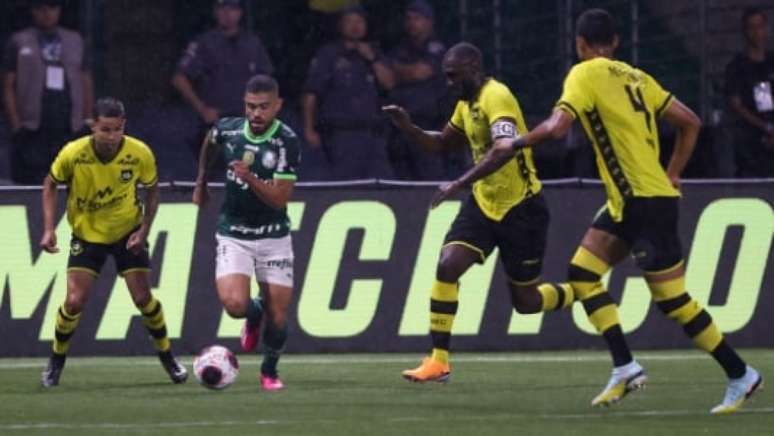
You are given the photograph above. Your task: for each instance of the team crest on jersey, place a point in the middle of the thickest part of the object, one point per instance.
(248, 158)
(76, 248)
(269, 160)
(126, 176)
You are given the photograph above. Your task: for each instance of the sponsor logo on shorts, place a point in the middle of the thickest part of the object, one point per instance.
(280, 263)
(76, 248)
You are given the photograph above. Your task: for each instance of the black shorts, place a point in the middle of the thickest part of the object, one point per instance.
(649, 226)
(90, 256)
(520, 236)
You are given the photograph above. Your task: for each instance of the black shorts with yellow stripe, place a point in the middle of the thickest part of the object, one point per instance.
(649, 227)
(520, 236)
(90, 257)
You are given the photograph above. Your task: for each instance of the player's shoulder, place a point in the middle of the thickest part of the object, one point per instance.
(494, 90)
(230, 124)
(76, 146)
(286, 131)
(493, 85)
(137, 146)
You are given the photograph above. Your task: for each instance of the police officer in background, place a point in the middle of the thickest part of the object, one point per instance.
(750, 90)
(341, 103)
(214, 68)
(47, 91)
(421, 90)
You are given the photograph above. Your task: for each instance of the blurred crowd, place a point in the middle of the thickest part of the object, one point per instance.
(48, 92)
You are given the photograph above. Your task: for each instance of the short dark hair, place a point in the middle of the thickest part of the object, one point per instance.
(109, 107)
(751, 12)
(466, 52)
(261, 83)
(597, 27)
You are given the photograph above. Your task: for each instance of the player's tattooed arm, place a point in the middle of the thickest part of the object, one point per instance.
(502, 131)
(137, 240)
(48, 240)
(207, 158)
(431, 141)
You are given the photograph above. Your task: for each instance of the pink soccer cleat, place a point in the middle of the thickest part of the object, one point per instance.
(271, 384)
(249, 337)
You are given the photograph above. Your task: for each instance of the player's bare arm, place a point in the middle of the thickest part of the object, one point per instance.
(687, 124)
(275, 193)
(137, 239)
(207, 158)
(48, 241)
(503, 150)
(447, 139)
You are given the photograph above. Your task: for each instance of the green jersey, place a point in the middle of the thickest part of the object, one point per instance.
(271, 155)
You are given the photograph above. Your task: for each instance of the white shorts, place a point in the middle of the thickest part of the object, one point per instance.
(271, 259)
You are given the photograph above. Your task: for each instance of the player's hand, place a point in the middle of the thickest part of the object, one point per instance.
(48, 242)
(444, 192)
(201, 195)
(399, 117)
(137, 241)
(210, 115)
(674, 180)
(312, 138)
(241, 170)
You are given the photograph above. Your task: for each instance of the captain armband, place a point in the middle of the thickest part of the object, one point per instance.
(503, 129)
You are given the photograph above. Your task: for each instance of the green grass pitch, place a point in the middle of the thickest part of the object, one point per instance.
(489, 394)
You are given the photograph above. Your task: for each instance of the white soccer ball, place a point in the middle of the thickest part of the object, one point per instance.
(216, 367)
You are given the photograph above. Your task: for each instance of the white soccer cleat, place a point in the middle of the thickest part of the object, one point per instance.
(623, 380)
(739, 390)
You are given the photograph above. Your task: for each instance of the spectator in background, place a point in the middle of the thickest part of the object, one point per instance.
(421, 90)
(47, 91)
(749, 82)
(216, 65)
(341, 103)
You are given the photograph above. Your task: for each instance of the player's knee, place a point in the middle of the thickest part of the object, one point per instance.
(234, 307)
(448, 270)
(74, 304)
(141, 299)
(525, 300)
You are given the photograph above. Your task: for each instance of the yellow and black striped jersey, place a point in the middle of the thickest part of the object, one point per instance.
(102, 201)
(618, 106)
(497, 193)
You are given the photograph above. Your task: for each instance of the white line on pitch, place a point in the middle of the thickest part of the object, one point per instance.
(343, 359)
(500, 417)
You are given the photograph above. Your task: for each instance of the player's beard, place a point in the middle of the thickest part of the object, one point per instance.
(466, 90)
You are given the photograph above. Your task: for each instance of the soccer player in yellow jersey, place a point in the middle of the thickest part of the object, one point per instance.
(618, 106)
(102, 172)
(506, 209)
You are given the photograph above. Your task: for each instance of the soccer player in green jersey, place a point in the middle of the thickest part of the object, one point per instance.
(617, 105)
(253, 226)
(108, 218)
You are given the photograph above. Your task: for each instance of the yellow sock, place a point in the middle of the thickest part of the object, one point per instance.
(556, 296)
(64, 329)
(443, 309)
(153, 319)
